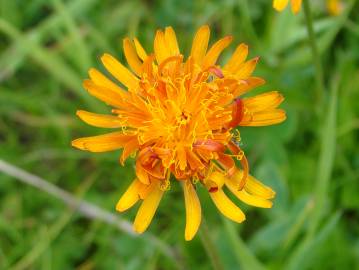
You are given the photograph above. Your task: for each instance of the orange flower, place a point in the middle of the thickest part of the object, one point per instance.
(281, 5)
(177, 118)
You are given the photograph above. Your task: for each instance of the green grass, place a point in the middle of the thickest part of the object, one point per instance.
(311, 160)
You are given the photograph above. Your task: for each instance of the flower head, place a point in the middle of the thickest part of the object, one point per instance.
(177, 119)
(281, 5)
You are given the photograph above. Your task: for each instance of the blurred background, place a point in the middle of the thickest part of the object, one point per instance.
(311, 160)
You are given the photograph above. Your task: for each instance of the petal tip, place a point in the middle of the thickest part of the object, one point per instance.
(138, 229)
(79, 144)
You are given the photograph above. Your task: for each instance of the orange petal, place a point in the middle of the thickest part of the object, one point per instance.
(171, 40)
(245, 166)
(246, 69)
(131, 56)
(227, 207)
(211, 57)
(263, 102)
(157, 171)
(130, 197)
(148, 209)
(237, 113)
(247, 85)
(238, 57)
(193, 160)
(100, 120)
(103, 143)
(121, 73)
(263, 118)
(101, 80)
(128, 149)
(209, 145)
(181, 157)
(200, 43)
(227, 162)
(296, 4)
(107, 95)
(141, 173)
(160, 47)
(193, 210)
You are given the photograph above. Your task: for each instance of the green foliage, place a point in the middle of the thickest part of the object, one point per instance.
(311, 160)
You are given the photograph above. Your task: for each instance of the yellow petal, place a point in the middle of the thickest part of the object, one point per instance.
(280, 4)
(171, 40)
(121, 73)
(200, 43)
(131, 56)
(160, 47)
(211, 57)
(148, 209)
(107, 95)
(263, 102)
(296, 4)
(144, 190)
(100, 120)
(226, 206)
(214, 181)
(255, 187)
(193, 210)
(238, 57)
(246, 197)
(246, 69)
(263, 118)
(103, 143)
(140, 50)
(101, 80)
(130, 197)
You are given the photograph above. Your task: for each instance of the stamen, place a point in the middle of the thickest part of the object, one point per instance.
(236, 136)
(165, 185)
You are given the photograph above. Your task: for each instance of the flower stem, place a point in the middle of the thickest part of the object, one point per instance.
(208, 245)
(316, 57)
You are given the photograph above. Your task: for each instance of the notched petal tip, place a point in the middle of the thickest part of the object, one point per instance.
(228, 38)
(88, 84)
(79, 144)
(79, 112)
